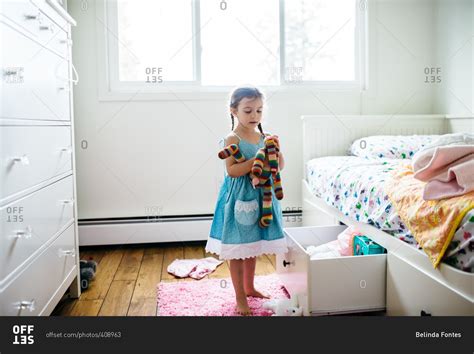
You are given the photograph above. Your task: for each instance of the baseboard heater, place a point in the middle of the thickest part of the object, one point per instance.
(146, 229)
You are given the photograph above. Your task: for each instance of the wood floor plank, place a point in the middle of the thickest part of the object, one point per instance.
(106, 270)
(149, 276)
(142, 307)
(91, 254)
(264, 266)
(272, 259)
(86, 308)
(117, 301)
(153, 249)
(171, 253)
(64, 307)
(130, 265)
(193, 252)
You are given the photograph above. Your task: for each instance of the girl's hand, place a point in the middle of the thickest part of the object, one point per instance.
(277, 139)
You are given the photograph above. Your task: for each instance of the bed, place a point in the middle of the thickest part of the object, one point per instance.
(338, 187)
(354, 186)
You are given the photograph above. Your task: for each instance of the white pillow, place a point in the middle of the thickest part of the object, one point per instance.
(390, 146)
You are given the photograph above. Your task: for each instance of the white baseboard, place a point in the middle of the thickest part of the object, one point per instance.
(143, 232)
(129, 232)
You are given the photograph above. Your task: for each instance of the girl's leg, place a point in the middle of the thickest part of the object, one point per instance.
(249, 276)
(237, 275)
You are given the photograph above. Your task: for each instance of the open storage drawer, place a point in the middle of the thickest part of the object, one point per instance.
(331, 285)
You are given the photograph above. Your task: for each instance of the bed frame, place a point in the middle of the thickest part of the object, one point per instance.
(414, 287)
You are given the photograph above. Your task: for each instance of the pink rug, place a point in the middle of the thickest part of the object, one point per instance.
(213, 297)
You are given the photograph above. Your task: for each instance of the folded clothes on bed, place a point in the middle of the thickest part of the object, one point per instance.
(447, 165)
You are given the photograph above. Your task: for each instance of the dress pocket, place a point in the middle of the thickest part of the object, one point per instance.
(246, 212)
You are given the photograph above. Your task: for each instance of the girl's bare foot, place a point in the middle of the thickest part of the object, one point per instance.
(256, 293)
(242, 307)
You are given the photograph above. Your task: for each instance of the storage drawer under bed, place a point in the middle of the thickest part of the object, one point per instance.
(331, 285)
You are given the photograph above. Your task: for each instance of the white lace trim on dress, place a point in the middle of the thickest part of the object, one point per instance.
(246, 250)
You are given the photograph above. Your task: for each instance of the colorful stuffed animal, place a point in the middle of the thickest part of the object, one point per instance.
(264, 167)
(283, 307)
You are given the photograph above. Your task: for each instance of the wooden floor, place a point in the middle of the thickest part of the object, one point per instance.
(127, 276)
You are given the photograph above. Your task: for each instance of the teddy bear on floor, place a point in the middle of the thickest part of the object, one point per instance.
(265, 166)
(284, 307)
(88, 269)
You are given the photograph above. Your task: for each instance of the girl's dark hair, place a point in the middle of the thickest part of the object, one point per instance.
(241, 93)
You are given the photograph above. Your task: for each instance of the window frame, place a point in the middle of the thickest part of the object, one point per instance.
(110, 88)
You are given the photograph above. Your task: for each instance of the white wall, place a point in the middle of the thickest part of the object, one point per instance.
(455, 56)
(163, 154)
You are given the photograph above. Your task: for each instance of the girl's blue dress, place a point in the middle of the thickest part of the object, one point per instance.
(235, 232)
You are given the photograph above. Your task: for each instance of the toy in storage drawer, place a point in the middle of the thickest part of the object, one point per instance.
(331, 285)
(364, 246)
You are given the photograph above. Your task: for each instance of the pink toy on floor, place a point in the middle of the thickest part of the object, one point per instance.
(194, 268)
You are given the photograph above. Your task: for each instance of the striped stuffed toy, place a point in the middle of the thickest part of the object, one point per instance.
(264, 167)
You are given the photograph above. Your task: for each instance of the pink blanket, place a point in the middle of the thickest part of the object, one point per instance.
(448, 171)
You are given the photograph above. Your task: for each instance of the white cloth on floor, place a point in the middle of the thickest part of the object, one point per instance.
(194, 268)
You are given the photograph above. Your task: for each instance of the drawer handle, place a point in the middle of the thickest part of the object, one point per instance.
(10, 72)
(75, 74)
(66, 41)
(285, 263)
(68, 201)
(23, 159)
(46, 28)
(65, 253)
(75, 78)
(31, 17)
(29, 305)
(26, 233)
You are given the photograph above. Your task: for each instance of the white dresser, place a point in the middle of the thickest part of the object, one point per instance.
(39, 255)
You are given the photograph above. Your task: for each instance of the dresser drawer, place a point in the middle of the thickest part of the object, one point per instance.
(29, 19)
(412, 292)
(34, 74)
(330, 285)
(27, 224)
(30, 292)
(32, 154)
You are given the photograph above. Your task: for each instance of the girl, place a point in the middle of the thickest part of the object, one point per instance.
(235, 233)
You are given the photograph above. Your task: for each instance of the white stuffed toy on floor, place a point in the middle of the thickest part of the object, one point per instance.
(283, 307)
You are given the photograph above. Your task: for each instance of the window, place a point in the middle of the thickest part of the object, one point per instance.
(212, 43)
(320, 39)
(240, 43)
(152, 33)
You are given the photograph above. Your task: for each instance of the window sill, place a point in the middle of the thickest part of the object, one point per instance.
(215, 93)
